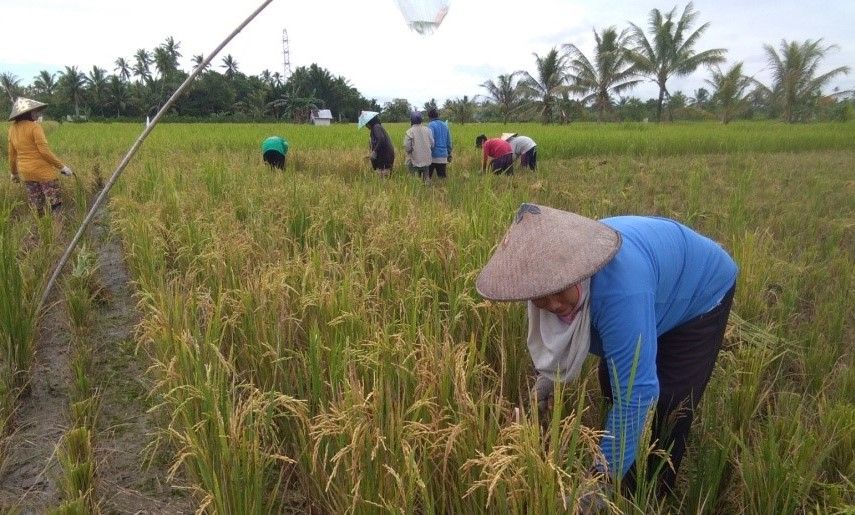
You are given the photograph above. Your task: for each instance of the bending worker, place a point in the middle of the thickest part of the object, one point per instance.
(31, 159)
(649, 296)
(498, 152)
(525, 149)
(275, 151)
(382, 154)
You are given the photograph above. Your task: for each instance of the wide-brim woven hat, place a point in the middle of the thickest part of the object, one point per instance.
(24, 105)
(508, 135)
(365, 117)
(544, 251)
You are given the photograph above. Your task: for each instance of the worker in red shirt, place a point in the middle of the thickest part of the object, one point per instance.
(499, 152)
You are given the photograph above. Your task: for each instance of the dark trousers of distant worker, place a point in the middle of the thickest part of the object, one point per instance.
(529, 160)
(439, 168)
(274, 159)
(685, 359)
(503, 164)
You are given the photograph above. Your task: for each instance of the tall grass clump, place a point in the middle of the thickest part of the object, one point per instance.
(18, 303)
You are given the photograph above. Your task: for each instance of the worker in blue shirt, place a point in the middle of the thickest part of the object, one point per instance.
(649, 296)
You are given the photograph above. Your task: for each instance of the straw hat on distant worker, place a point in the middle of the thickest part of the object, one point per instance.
(24, 105)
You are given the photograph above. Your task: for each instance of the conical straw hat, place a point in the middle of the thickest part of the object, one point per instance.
(24, 105)
(508, 135)
(365, 117)
(544, 251)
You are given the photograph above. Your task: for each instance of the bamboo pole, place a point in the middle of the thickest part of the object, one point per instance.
(133, 150)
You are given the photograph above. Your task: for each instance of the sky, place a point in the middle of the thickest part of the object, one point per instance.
(369, 43)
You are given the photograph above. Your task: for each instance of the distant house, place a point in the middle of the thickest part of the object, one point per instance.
(321, 117)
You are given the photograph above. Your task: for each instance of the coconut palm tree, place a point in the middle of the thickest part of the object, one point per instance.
(123, 68)
(230, 64)
(670, 51)
(142, 62)
(266, 77)
(254, 104)
(96, 87)
(71, 85)
(163, 64)
(700, 98)
(118, 96)
(9, 83)
(171, 47)
(794, 74)
(505, 93)
(547, 86)
(461, 110)
(611, 71)
(730, 91)
(44, 84)
(197, 61)
(277, 80)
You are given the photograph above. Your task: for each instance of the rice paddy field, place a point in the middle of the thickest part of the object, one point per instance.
(316, 343)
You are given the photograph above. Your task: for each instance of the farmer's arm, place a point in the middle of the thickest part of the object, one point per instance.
(13, 155)
(627, 327)
(376, 136)
(42, 146)
(484, 160)
(408, 143)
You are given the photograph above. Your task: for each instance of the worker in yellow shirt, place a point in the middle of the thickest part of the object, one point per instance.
(30, 158)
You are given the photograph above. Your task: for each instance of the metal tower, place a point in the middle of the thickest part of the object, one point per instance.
(286, 54)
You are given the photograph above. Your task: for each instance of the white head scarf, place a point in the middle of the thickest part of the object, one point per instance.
(559, 348)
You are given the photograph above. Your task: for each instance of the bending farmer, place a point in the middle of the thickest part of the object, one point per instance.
(498, 152)
(382, 154)
(525, 149)
(649, 296)
(274, 150)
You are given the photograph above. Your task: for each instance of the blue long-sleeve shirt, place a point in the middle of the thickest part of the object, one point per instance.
(664, 275)
(441, 139)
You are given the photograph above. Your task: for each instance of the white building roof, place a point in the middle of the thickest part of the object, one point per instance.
(323, 114)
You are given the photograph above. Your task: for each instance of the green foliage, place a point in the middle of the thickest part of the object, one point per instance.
(795, 84)
(670, 52)
(609, 72)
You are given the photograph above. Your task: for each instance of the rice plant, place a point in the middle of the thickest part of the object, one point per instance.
(318, 344)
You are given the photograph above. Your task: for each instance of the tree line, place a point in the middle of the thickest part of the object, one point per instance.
(565, 85)
(141, 85)
(569, 84)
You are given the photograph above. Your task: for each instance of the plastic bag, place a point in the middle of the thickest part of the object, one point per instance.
(424, 16)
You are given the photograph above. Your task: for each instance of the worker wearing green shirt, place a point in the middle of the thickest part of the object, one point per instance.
(274, 149)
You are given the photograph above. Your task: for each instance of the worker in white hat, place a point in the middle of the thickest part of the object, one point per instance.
(525, 149)
(30, 158)
(382, 154)
(649, 296)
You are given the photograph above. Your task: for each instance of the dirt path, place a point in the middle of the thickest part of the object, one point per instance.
(124, 482)
(41, 418)
(125, 428)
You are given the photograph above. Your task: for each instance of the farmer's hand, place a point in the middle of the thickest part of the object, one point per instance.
(372, 155)
(449, 158)
(14, 177)
(543, 392)
(65, 170)
(595, 499)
